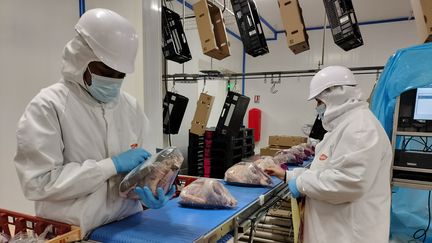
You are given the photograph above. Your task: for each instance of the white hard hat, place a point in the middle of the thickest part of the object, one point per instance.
(111, 37)
(329, 77)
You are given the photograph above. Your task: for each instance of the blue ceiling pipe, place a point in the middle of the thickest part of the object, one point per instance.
(81, 7)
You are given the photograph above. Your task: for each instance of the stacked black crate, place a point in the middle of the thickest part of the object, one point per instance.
(248, 142)
(196, 155)
(226, 151)
(208, 144)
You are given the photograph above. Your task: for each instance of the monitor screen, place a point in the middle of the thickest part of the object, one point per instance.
(423, 104)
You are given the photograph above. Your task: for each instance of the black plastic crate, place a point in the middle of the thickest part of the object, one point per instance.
(174, 107)
(233, 112)
(174, 43)
(343, 23)
(250, 28)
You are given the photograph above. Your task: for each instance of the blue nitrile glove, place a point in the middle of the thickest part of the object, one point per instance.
(292, 185)
(147, 198)
(130, 159)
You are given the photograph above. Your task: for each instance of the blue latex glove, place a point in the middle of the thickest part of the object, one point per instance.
(130, 159)
(147, 198)
(292, 185)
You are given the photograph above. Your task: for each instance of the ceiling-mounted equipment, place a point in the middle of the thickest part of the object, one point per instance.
(343, 23)
(249, 24)
(174, 43)
(232, 114)
(295, 32)
(422, 10)
(174, 107)
(211, 29)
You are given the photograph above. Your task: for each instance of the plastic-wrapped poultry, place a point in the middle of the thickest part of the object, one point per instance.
(248, 174)
(207, 193)
(159, 170)
(264, 162)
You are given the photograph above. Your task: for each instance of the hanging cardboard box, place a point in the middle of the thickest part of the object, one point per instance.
(286, 141)
(423, 17)
(211, 29)
(292, 18)
(202, 113)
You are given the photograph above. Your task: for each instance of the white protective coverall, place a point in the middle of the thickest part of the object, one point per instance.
(65, 141)
(347, 188)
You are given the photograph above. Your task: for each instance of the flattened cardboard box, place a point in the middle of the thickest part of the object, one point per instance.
(202, 113)
(269, 151)
(211, 29)
(423, 17)
(292, 18)
(288, 141)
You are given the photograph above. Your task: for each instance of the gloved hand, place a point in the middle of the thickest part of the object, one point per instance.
(147, 198)
(292, 185)
(130, 159)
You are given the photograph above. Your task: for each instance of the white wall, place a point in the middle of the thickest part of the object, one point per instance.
(33, 35)
(287, 111)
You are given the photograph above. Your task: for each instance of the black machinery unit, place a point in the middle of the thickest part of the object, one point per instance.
(232, 114)
(343, 23)
(250, 28)
(174, 42)
(174, 107)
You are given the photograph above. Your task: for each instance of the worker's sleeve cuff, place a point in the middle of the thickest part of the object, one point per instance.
(108, 168)
(288, 175)
(300, 185)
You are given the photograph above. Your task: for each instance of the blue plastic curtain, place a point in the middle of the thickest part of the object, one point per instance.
(408, 68)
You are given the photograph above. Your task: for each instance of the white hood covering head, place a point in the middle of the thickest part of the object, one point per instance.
(339, 100)
(77, 55)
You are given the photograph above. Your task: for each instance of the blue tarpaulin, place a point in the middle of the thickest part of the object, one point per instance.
(408, 68)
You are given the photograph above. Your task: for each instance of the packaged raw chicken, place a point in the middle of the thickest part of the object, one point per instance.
(159, 170)
(247, 174)
(264, 162)
(207, 193)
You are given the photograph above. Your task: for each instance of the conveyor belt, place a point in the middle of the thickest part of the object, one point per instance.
(174, 223)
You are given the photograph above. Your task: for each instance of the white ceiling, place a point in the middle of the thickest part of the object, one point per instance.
(313, 12)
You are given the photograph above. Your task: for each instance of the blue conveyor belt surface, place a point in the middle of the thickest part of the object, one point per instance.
(174, 223)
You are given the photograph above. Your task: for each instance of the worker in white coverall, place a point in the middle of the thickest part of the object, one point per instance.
(77, 138)
(347, 189)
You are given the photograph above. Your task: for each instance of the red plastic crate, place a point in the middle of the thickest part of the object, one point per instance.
(23, 223)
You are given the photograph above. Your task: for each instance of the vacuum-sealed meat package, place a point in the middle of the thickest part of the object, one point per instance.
(247, 174)
(264, 162)
(159, 170)
(207, 193)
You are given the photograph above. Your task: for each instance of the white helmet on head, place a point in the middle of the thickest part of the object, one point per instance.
(329, 77)
(111, 37)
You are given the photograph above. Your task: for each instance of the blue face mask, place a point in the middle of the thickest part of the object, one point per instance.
(320, 110)
(104, 89)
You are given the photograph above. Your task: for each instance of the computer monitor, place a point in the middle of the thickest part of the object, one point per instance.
(423, 104)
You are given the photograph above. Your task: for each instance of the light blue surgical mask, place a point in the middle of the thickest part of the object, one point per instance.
(104, 89)
(320, 110)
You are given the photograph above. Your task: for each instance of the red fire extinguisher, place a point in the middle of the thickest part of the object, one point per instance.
(254, 121)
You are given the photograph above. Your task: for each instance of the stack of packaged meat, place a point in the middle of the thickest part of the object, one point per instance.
(159, 170)
(207, 193)
(295, 155)
(247, 174)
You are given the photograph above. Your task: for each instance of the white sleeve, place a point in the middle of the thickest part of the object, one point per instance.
(39, 158)
(146, 137)
(352, 169)
(293, 173)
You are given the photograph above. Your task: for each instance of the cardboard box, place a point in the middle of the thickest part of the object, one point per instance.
(287, 141)
(211, 29)
(292, 19)
(269, 151)
(202, 113)
(423, 16)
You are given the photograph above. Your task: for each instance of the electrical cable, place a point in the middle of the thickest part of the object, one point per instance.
(417, 236)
